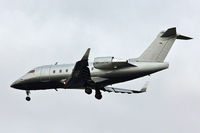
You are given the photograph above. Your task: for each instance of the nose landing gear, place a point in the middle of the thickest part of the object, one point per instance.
(28, 98)
(28, 95)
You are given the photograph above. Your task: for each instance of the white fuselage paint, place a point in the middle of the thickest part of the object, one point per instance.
(60, 73)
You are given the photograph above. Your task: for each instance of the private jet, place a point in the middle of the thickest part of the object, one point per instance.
(103, 72)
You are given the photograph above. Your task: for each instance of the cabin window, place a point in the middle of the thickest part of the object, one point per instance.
(32, 71)
(66, 70)
(54, 71)
(60, 71)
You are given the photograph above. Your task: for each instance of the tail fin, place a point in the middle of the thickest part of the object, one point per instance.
(160, 47)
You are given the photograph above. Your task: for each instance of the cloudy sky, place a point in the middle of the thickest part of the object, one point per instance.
(39, 32)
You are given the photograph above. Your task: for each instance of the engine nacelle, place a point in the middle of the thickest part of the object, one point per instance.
(108, 63)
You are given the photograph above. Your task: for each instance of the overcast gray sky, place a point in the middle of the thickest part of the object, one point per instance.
(39, 32)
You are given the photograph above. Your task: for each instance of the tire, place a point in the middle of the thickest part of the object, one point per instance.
(88, 91)
(28, 99)
(98, 96)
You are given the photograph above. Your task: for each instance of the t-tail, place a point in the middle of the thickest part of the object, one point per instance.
(160, 47)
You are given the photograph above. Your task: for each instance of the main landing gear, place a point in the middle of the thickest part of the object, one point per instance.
(88, 90)
(28, 95)
(98, 94)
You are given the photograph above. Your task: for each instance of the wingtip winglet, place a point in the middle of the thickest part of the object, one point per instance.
(86, 55)
(144, 89)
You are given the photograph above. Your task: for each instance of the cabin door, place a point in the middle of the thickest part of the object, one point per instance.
(44, 74)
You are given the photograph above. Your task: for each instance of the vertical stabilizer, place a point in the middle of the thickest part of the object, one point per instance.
(160, 47)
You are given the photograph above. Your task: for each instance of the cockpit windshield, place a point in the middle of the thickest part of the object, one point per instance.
(31, 71)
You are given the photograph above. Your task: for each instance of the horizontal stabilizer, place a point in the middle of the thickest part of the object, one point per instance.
(183, 37)
(172, 32)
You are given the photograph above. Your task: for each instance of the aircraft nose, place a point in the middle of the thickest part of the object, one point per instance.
(16, 84)
(13, 85)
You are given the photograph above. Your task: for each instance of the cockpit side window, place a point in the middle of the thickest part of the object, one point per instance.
(32, 71)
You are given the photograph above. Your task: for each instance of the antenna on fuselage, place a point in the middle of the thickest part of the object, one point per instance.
(56, 63)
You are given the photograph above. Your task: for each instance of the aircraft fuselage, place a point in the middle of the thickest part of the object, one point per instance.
(54, 76)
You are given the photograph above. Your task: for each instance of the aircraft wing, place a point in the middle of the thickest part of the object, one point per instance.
(119, 90)
(80, 74)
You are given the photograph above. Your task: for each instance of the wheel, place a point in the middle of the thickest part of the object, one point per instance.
(88, 91)
(98, 96)
(28, 98)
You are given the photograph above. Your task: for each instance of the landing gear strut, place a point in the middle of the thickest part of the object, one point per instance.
(28, 95)
(88, 90)
(98, 94)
